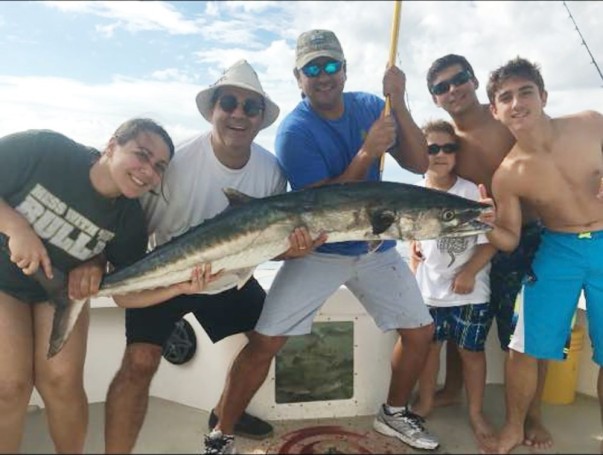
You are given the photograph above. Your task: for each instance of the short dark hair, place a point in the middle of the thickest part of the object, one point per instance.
(517, 67)
(441, 126)
(444, 62)
(130, 129)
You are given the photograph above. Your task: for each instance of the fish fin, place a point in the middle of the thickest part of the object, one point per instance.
(381, 220)
(244, 275)
(229, 279)
(66, 311)
(235, 197)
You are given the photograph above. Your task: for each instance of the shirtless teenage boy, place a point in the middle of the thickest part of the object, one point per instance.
(555, 167)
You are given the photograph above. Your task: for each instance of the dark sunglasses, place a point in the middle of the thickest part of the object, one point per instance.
(251, 106)
(330, 68)
(434, 149)
(458, 79)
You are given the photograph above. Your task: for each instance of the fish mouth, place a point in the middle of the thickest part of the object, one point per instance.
(468, 224)
(471, 227)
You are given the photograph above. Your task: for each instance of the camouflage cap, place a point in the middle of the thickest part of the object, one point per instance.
(317, 43)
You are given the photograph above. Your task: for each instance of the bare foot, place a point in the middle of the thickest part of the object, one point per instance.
(507, 440)
(445, 397)
(536, 435)
(482, 430)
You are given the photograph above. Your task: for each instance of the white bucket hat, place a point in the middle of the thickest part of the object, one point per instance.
(241, 75)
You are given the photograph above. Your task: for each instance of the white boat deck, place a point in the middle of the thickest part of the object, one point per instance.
(576, 428)
(182, 395)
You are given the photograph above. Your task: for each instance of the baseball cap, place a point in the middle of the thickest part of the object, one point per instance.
(317, 43)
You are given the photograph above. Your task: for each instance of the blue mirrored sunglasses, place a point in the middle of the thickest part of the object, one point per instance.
(330, 68)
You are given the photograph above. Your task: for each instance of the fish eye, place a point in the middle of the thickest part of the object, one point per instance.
(447, 215)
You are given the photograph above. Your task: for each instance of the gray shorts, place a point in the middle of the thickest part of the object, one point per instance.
(382, 282)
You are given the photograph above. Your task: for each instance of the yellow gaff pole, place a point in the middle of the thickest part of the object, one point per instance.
(393, 46)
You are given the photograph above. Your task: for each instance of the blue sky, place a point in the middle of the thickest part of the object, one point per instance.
(82, 68)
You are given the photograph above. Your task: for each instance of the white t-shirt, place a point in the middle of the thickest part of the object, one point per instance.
(193, 186)
(443, 259)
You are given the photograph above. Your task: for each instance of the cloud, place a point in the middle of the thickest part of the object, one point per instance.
(487, 33)
(264, 33)
(171, 74)
(255, 7)
(133, 16)
(90, 113)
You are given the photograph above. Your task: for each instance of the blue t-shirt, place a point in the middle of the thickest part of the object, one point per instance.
(311, 148)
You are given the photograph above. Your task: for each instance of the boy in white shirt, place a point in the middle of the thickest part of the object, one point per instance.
(453, 275)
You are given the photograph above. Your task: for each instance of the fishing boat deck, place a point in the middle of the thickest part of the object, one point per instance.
(182, 394)
(175, 428)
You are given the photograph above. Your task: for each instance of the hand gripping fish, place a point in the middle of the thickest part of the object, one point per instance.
(255, 230)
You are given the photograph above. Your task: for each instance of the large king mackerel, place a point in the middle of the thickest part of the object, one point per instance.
(252, 231)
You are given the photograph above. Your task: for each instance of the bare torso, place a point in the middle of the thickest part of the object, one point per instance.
(482, 149)
(561, 182)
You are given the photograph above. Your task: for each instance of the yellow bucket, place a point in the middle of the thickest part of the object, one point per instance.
(562, 375)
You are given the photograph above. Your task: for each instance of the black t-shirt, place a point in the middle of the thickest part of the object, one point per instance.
(45, 176)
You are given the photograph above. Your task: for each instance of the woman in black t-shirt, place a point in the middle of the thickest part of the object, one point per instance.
(67, 207)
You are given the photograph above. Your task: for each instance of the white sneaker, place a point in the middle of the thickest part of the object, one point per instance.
(407, 427)
(217, 443)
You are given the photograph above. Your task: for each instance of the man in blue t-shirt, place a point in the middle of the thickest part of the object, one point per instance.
(333, 137)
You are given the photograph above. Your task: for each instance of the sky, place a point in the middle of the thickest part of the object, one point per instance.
(82, 68)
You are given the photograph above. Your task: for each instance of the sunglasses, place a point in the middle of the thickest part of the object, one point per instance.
(434, 149)
(458, 79)
(251, 106)
(329, 68)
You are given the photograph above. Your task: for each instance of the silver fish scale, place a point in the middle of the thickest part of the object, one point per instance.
(249, 250)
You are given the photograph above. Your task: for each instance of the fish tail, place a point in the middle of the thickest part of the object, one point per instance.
(66, 314)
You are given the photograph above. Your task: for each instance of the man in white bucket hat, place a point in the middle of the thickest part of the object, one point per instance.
(226, 156)
(243, 76)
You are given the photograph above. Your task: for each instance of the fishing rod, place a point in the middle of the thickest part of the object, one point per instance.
(393, 45)
(584, 42)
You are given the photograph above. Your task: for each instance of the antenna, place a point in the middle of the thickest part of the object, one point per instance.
(584, 42)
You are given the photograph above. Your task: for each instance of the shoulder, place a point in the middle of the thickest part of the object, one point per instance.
(364, 96)
(41, 137)
(590, 116)
(464, 183)
(583, 119)
(191, 146)
(466, 188)
(47, 144)
(266, 162)
(188, 154)
(300, 115)
(364, 99)
(509, 172)
(262, 155)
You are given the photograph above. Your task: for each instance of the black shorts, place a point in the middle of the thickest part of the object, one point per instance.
(220, 315)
